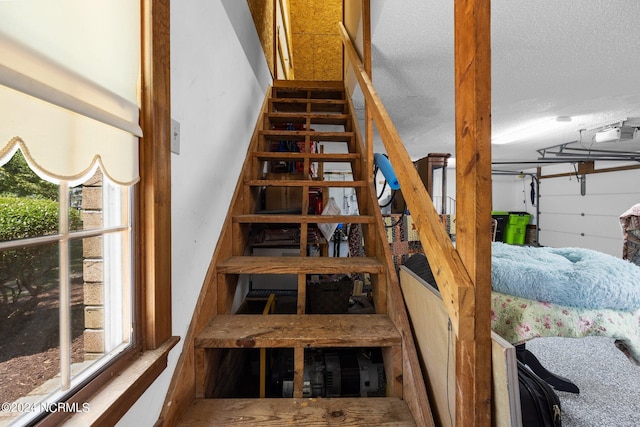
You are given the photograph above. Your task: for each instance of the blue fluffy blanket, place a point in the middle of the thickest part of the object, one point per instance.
(575, 277)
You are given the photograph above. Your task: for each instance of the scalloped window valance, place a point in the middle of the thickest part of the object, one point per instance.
(69, 79)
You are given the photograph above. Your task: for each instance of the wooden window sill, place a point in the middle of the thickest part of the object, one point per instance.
(119, 394)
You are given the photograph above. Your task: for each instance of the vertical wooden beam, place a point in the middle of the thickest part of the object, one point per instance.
(274, 30)
(154, 204)
(302, 294)
(368, 117)
(298, 372)
(201, 372)
(473, 223)
(393, 370)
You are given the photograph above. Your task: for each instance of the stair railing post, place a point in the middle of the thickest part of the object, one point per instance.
(472, 65)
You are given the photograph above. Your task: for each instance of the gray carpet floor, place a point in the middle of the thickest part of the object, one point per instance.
(609, 383)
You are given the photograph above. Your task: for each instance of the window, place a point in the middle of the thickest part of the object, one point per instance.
(69, 129)
(65, 281)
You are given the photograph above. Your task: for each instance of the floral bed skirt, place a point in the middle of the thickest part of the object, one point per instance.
(518, 320)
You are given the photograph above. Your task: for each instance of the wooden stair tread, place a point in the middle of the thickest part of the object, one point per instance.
(302, 219)
(305, 84)
(370, 411)
(318, 101)
(308, 93)
(293, 330)
(300, 105)
(326, 157)
(302, 183)
(286, 115)
(321, 118)
(313, 134)
(294, 265)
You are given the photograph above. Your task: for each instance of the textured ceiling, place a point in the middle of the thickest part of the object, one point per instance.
(567, 58)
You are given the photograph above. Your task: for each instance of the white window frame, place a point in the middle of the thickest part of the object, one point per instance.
(117, 281)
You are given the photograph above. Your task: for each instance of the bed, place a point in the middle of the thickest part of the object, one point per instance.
(545, 310)
(566, 292)
(519, 320)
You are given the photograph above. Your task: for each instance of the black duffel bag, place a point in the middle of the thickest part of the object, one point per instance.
(539, 402)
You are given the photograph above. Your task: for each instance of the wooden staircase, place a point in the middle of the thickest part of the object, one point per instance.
(277, 191)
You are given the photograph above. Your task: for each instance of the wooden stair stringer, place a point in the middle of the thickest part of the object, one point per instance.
(181, 392)
(414, 389)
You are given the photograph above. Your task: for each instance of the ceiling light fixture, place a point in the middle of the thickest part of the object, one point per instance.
(531, 129)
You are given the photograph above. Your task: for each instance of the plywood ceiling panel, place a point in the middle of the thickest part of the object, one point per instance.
(317, 48)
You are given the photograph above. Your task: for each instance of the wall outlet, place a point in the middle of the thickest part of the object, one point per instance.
(175, 136)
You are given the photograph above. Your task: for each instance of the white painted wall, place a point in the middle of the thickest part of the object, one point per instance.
(509, 193)
(591, 221)
(512, 193)
(218, 78)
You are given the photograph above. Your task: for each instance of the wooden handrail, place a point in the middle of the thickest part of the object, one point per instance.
(282, 51)
(451, 276)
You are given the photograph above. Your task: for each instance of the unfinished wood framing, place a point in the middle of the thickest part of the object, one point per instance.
(588, 171)
(414, 390)
(463, 275)
(154, 203)
(118, 387)
(473, 202)
(366, 47)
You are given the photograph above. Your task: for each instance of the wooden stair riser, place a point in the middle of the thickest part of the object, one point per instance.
(212, 377)
(299, 333)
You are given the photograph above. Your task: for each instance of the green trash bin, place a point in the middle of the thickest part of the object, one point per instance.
(516, 228)
(501, 217)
